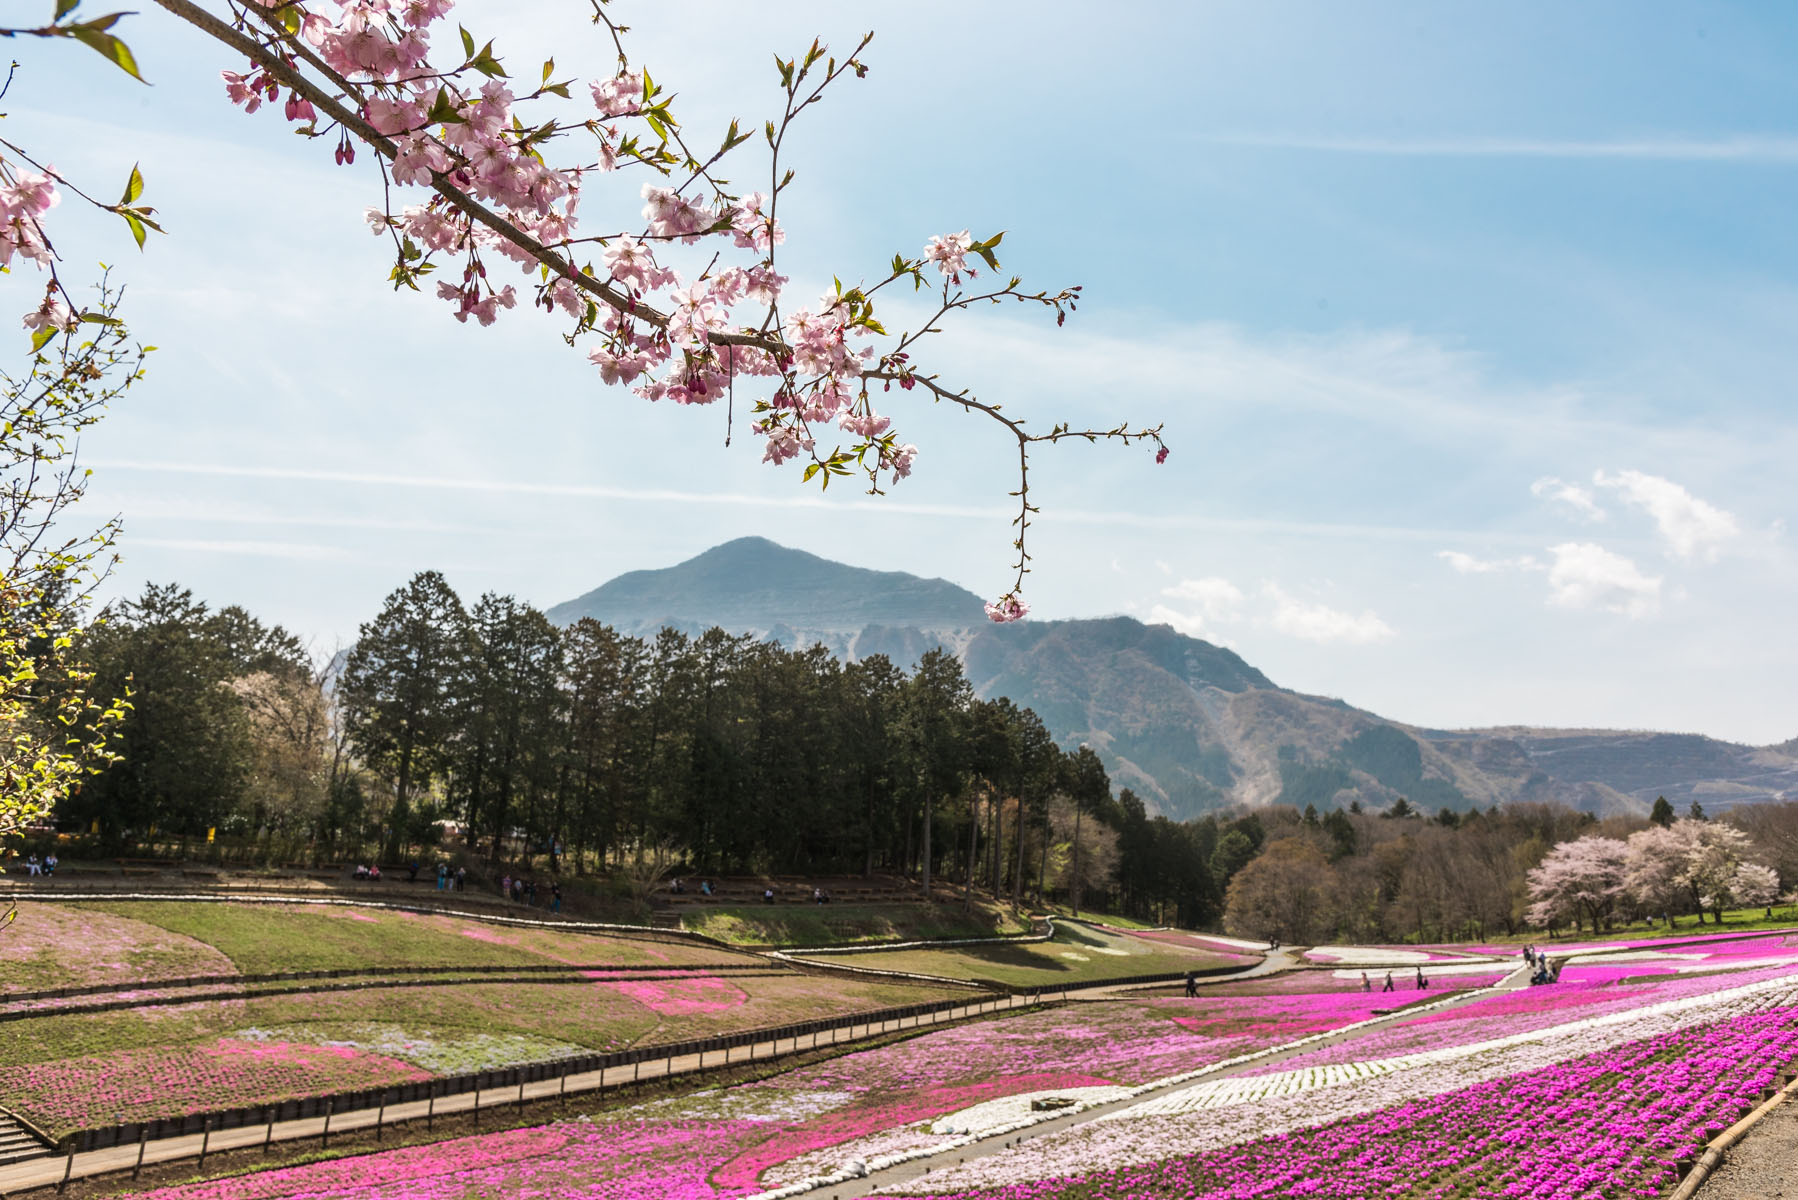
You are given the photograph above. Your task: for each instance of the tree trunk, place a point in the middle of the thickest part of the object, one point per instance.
(928, 814)
(1017, 876)
(967, 891)
(1075, 889)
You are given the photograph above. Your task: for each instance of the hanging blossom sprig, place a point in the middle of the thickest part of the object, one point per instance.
(677, 304)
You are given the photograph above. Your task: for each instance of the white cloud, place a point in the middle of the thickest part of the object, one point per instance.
(1467, 564)
(1191, 624)
(1218, 599)
(1691, 527)
(1319, 623)
(1585, 575)
(1572, 495)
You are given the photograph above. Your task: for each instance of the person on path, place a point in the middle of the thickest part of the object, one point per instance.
(442, 875)
(1192, 984)
(530, 894)
(767, 895)
(461, 878)
(1422, 983)
(555, 897)
(817, 895)
(1388, 986)
(505, 887)
(1366, 983)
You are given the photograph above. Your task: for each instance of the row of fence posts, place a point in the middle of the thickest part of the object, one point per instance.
(636, 1080)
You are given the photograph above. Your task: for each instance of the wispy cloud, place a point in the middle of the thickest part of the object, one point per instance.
(1692, 528)
(1214, 601)
(254, 549)
(1571, 496)
(1734, 149)
(1326, 530)
(1467, 564)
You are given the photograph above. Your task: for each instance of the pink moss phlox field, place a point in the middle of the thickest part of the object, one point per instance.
(683, 997)
(52, 946)
(1226, 954)
(1605, 1125)
(1526, 1010)
(164, 1081)
(394, 1169)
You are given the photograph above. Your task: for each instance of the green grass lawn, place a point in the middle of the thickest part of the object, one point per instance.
(75, 1070)
(796, 925)
(1076, 954)
(259, 938)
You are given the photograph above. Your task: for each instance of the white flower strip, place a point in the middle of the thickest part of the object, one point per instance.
(981, 1119)
(1432, 971)
(1735, 964)
(1232, 1111)
(1590, 960)
(1367, 955)
(859, 1168)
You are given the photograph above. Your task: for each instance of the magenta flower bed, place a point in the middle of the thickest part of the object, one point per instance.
(1524, 1011)
(64, 1096)
(1606, 1125)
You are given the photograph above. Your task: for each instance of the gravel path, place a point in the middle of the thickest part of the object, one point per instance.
(1763, 1165)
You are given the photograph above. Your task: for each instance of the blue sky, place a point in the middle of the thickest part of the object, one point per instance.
(1470, 326)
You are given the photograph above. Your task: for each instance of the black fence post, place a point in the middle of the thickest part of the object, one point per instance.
(324, 1137)
(205, 1140)
(143, 1138)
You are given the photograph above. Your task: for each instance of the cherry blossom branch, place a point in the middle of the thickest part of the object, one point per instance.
(457, 131)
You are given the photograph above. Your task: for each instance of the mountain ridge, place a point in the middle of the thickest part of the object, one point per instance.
(1189, 725)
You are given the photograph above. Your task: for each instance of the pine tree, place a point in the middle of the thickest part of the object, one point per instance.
(400, 688)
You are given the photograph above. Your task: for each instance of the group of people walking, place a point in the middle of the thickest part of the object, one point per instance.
(1423, 982)
(524, 891)
(1541, 970)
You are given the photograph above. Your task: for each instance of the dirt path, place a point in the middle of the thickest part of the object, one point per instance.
(1763, 1165)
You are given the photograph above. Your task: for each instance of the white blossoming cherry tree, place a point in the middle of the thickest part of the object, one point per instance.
(497, 190)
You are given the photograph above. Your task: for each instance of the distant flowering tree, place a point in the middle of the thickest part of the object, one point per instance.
(680, 302)
(1756, 886)
(1575, 879)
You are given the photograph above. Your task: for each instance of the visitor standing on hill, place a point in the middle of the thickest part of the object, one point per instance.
(461, 879)
(1192, 984)
(1388, 986)
(1366, 983)
(505, 887)
(555, 897)
(530, 893)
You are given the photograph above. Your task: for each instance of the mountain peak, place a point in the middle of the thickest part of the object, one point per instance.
(755, 583)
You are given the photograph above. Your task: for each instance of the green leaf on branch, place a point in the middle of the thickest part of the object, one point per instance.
(94, 318)
(93, 34)
(64, 8)
(41, 338)
(134, 187)
(985, 249)
(549, 67)
(443, 110)
(486, 64)
(137, 226)
(467, 41)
